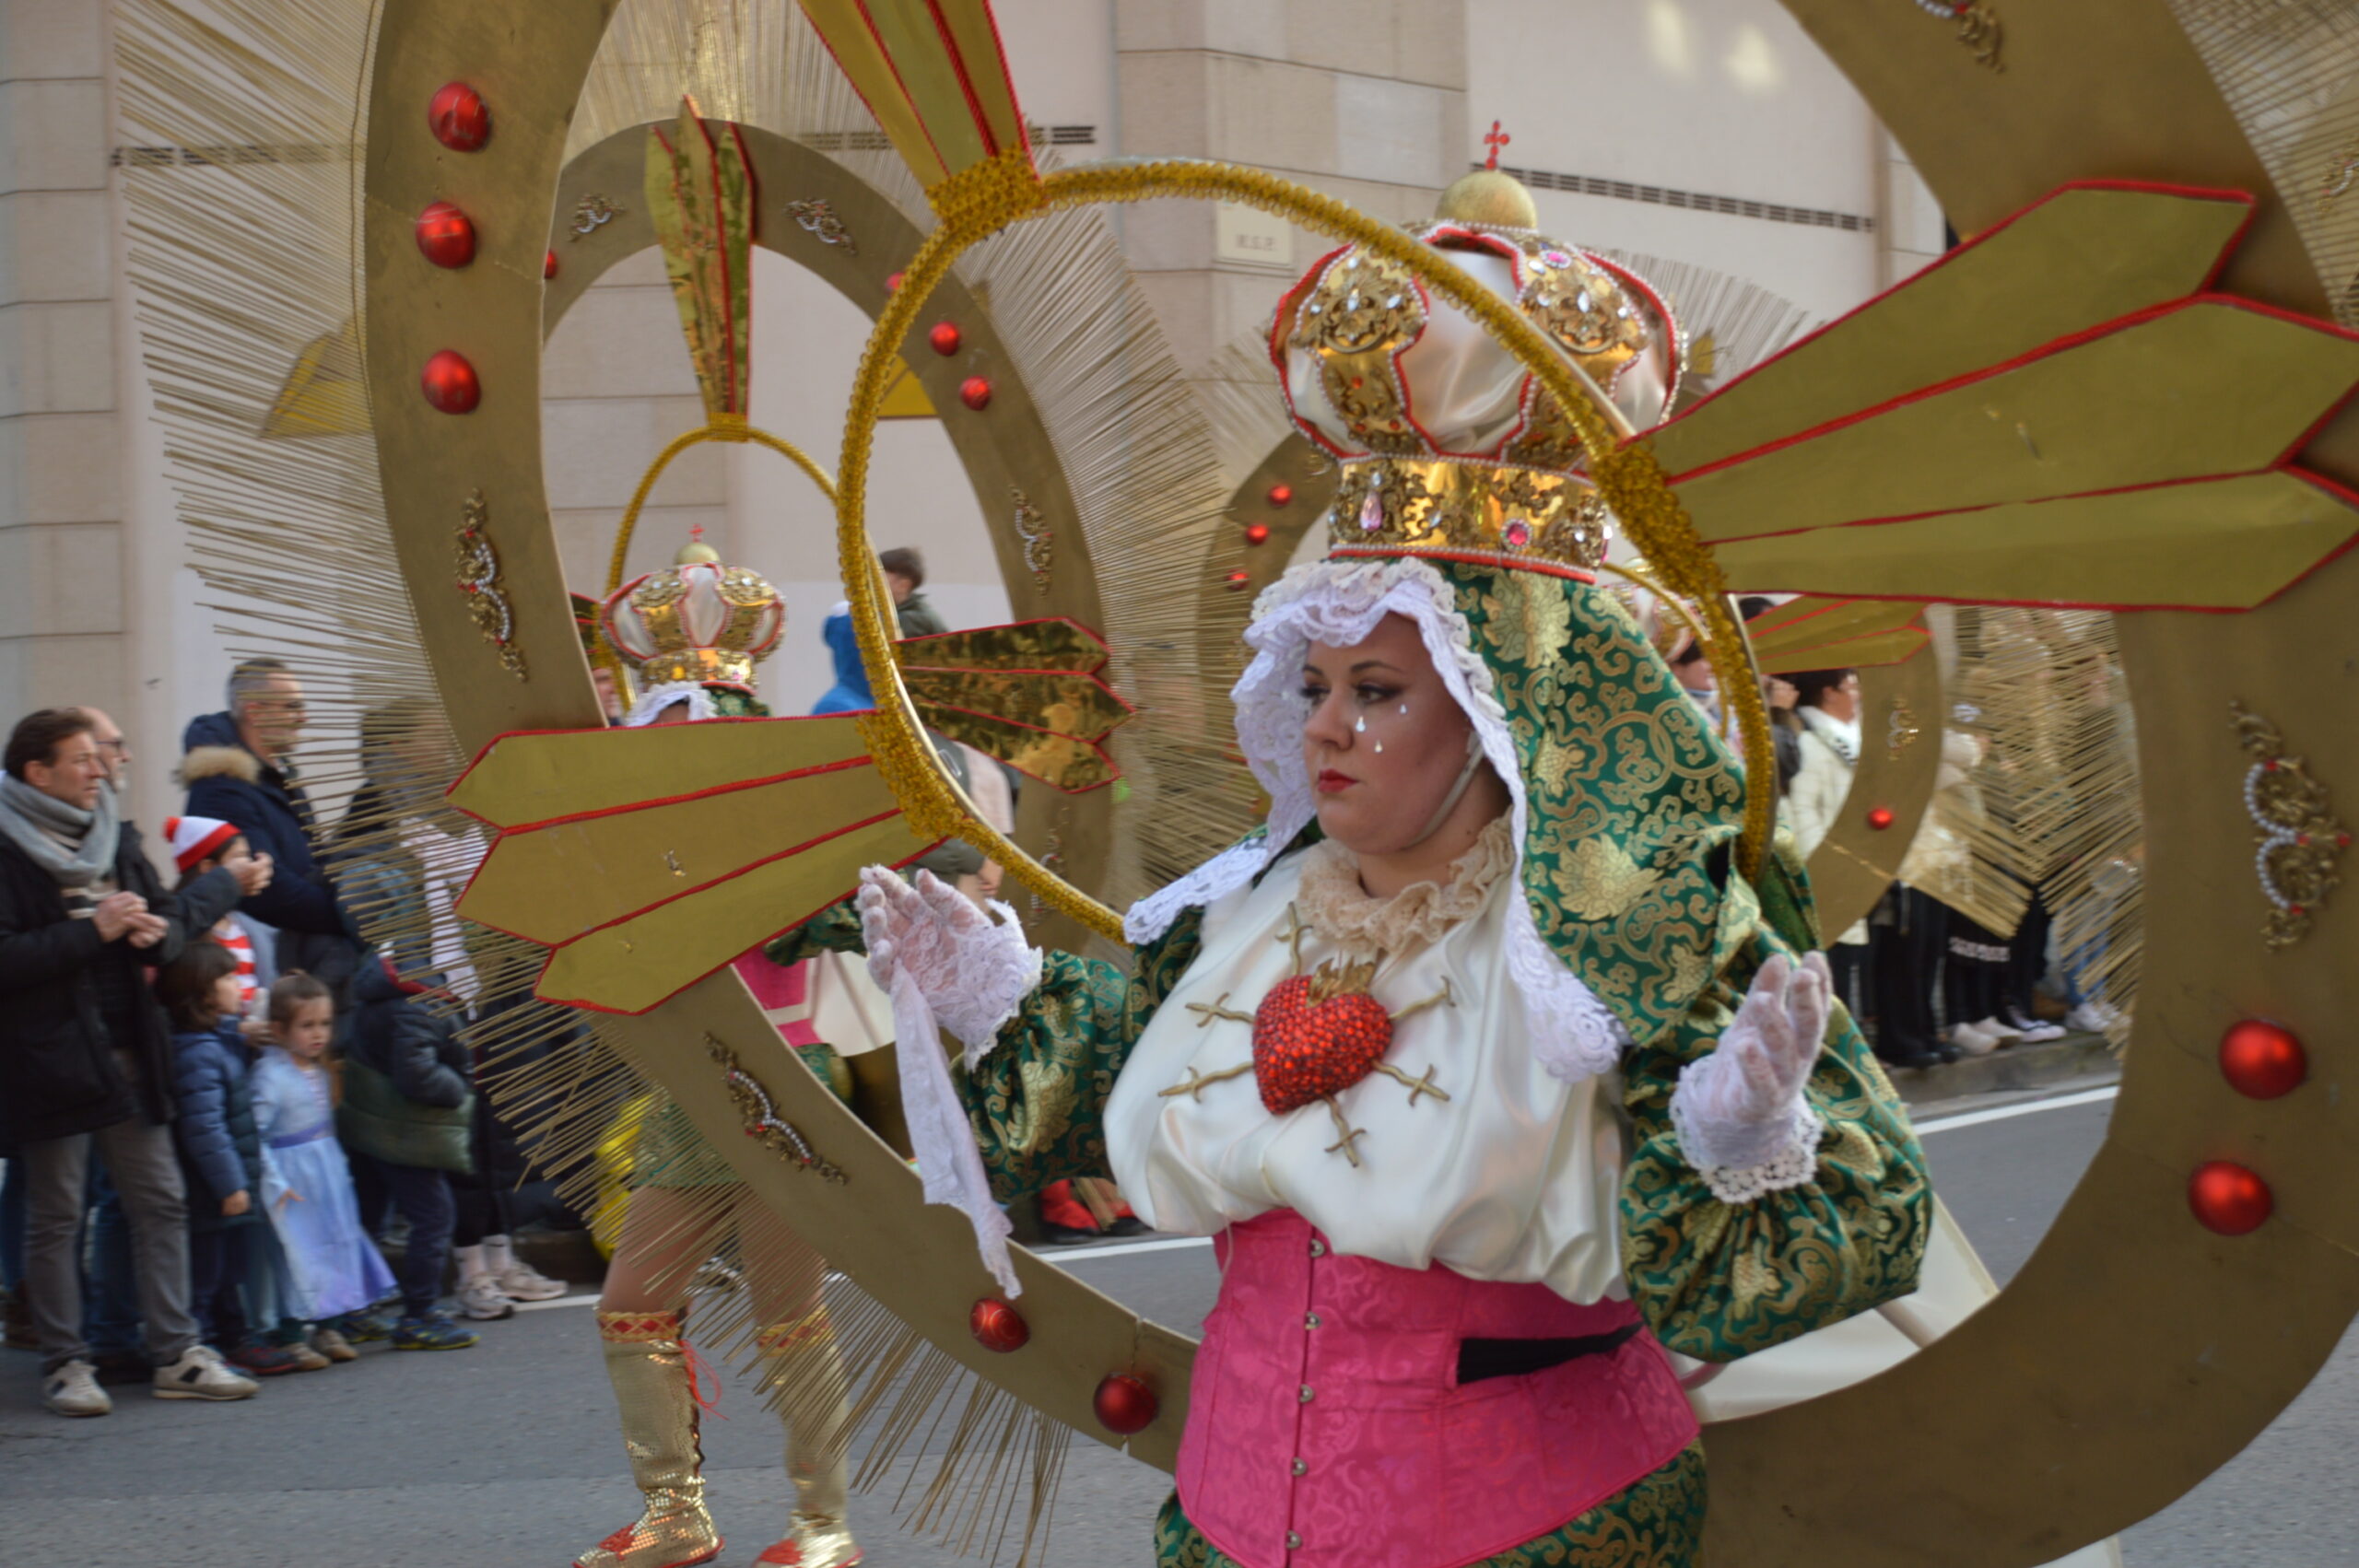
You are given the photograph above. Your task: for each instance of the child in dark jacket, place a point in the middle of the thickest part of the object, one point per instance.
(408, 1104)
(220, 1154)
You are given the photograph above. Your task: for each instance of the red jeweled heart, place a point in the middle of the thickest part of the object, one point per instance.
(1310, 1041)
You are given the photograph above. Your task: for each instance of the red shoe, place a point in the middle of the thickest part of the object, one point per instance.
(262, 1360)
(785, 1551)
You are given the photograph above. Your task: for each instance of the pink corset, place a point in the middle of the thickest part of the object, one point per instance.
(1327, 1427)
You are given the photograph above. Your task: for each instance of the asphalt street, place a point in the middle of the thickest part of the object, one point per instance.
(505, 1456)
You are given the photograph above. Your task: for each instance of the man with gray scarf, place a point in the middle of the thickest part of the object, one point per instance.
(84, 1049)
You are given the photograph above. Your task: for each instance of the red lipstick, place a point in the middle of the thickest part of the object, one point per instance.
(1333, 783)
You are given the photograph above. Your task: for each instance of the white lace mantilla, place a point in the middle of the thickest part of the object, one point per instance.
(1339, 603)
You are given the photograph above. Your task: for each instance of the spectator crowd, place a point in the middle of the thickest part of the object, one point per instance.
(239, 1140)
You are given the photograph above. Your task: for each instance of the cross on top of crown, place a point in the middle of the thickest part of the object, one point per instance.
(696, 532)
(1495, 140)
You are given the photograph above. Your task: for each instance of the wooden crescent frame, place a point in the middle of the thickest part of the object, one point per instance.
(1008, 448)
(2133, 1353)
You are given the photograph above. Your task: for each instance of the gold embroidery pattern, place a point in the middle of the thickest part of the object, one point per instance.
(1612, 751)
(1362, 313)
(762, 1122)
(590, 214)
(1977, 28)
(1585, 309)
(819, 219)
(1656, 1520)
(478, 579)
(1408, 506)
(2341, 175)
(1901, 729)
(2300, 841)
(1717, 1282)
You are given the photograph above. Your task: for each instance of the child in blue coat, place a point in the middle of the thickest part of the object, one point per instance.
(220, 1154)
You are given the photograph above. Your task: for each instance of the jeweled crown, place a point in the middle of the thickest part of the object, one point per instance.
(696, 620)
(1447, 445)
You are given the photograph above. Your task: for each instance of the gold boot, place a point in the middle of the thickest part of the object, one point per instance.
(806, 1368)
(647, 1357)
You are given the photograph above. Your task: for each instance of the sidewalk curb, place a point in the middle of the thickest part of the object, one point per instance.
(2010, 1068)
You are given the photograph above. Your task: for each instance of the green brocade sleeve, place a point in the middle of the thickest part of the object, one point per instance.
(1718, 1280)
(1038, 1101)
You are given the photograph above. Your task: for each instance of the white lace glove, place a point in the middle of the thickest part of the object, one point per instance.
(1738, 1113)
(947, 963)
(972, 971)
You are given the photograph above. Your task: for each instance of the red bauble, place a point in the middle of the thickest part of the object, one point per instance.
(548, 266)
(1257, 533)
(893, 283)
(460, 118)
(1237, 581)
(998, 1327)
(449, 382)
(446, 236)
(2262, 1059)
(1880, 817)
(1281, 493)
(2229, 1198)
(944, 337)
(975, 392)
(1125, 1405)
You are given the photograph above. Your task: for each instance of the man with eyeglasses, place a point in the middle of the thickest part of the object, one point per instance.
(239, 767)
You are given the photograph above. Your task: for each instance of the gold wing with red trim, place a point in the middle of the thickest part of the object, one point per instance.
(2055, 412)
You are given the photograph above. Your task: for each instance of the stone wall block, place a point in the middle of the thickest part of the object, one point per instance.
(60, 671)
(595, 449)
(585, 539)
(1166, 104)
(55, 245)
(1429, 41)
(61, 581)
(52, 135)
(1271, 115)
(60, 468)
(1356, 36)
(1398, 133)
(49, 39)
(56, 359)
(624, 341)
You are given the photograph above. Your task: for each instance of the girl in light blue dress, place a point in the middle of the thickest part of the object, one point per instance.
(333, 1270)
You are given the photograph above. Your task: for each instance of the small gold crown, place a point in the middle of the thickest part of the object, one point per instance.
(696, 620)
(1492, 514)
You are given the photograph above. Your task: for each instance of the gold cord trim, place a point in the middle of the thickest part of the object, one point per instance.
(720, 428)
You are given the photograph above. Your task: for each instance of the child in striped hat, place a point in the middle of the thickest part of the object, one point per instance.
(199, 843)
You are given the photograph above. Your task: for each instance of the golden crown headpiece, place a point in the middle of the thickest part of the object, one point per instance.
(1447, 446)
(696, 620)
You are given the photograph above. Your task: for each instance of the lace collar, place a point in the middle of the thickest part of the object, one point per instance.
(1332, 902)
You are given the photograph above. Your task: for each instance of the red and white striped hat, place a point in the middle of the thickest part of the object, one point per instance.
(194, 837)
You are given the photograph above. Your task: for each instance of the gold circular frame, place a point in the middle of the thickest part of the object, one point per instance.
(2133, 1353)
(991, 196)
(1009, 450)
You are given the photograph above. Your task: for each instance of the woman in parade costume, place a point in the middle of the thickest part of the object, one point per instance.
(687, 1203)
(1490, 1075)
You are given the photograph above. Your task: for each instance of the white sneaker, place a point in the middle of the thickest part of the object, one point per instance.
(2000, 1033)
(73, 1390)
(201, 1374)
(1971, 1040)
(2093, 1017)
(2035, 1033)
(521, 1282)
(482, 1299)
